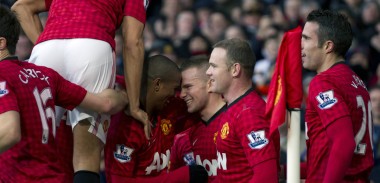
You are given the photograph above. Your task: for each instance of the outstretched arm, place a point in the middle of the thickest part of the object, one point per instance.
(10, 130)
(133, 57)
(108, 101)
(27, 14)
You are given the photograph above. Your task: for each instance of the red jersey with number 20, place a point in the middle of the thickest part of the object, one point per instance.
(33, 91)
(335, 93)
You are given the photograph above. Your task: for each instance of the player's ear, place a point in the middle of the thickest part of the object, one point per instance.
(235, 69)
(329, 46)
(3, 43)
(157, 84)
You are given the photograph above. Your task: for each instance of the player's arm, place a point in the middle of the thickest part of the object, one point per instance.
(133, 58)
(10, 131)
(180, 147)
(108, 101)
(265, 171)
(341, 136)
(27, 13)
(70, 95)
(263, 160)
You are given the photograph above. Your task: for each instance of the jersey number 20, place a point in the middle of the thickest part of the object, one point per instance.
(367, 117)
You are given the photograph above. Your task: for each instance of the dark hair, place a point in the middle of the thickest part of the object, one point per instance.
(200, 62)
(239, 51)
(333, 26)
(9, 28)
(160, 66)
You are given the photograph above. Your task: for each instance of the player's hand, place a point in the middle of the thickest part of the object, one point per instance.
(198, 174)
(142, 116)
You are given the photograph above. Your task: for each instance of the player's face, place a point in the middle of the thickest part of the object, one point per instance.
(375, 101)
(168, 89)
(194, 89)
(219, 73)
(312, 55)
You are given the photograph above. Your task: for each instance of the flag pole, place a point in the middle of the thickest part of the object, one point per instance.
(293, 147)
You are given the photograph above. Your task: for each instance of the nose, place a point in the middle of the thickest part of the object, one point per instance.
(182, 94)
(208, 72)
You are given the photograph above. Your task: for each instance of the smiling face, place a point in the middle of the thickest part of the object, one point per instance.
(312, 53)
(219, 73)
(194, 89)
(166, 90)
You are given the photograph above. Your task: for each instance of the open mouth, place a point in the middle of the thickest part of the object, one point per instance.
(188, 102)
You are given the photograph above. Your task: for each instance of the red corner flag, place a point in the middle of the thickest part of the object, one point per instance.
(285, 89)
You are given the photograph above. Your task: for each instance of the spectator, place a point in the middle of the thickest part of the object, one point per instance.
(375, 101)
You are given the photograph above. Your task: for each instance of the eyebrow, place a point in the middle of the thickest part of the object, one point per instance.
(186, 85)
(212, 64)
(305, 36)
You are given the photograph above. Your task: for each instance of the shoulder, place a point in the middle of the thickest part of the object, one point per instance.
(183, 137)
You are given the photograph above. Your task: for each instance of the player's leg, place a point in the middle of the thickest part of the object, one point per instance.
(87, 149)
(95, 72)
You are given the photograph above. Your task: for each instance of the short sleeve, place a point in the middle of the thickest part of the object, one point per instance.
(253, 132)
(180, 148)
(136, 9)
(8, 98)
(68, 95)
(327, 101)
(124, 146)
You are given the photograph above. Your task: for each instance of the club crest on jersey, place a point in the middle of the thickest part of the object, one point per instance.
(166, 126)
(326, 99)
(224, 131)
(189, 158)
(257, 139)
(123, 153)
(3, 90)
(215, 135)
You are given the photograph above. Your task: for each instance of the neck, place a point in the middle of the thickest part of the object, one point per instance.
(4, 54)
(214, 103)
(237, 89)
(330, 60)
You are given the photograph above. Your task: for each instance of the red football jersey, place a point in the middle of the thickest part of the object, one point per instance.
(243, 139)
(33, 91)
(98, 19)
(65, 146)
(197, 145)
(333, 94)
(128, 153)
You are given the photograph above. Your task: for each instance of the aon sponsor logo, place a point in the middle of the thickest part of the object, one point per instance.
(213, 165)
(160, 162)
